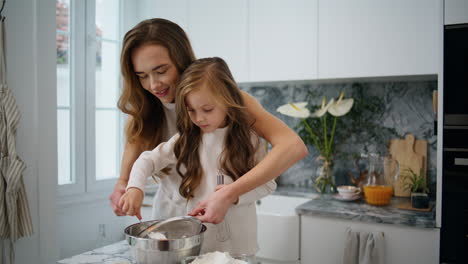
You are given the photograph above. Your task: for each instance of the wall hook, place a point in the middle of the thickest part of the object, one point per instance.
(1, 9)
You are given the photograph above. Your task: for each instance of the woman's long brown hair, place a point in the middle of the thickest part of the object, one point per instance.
(146, 125)
(238, 155)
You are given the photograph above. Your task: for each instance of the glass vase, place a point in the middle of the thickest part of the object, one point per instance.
(324, 180)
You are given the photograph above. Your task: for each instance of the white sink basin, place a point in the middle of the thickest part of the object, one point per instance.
(279, 227)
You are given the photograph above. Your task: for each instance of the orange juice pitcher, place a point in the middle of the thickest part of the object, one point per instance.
(382, 173)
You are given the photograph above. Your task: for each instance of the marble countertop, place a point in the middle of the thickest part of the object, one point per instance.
(359, 210)
(117, 253)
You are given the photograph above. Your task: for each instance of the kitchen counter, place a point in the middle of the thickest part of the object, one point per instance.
(117, 253)
(359, 210)
(324, 205)
(327, 206)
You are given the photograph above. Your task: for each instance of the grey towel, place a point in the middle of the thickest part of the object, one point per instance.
(363, 247)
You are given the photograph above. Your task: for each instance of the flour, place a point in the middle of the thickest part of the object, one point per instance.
(217, 258)
(157, 235)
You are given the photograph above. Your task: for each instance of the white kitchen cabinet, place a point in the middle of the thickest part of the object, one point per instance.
(367, 38)
(456, 12)
(173, 10)
(282, 40)
(219, 28)
(323, 241)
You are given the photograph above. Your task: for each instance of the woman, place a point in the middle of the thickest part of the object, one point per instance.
(154, 54)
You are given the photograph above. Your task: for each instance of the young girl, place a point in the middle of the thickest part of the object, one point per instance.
(215, 138)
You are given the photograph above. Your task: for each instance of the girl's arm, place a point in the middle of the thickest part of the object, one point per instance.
(147, 163)
(287, 149)
(152, 161)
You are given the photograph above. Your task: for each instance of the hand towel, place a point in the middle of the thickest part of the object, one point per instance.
(363, 247)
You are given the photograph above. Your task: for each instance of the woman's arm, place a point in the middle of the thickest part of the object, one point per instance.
(287, 149)
(130, 154)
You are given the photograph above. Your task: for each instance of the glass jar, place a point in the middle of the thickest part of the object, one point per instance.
(382, 173)
(324, 181)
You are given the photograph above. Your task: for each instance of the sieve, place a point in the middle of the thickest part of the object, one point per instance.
(175, 227)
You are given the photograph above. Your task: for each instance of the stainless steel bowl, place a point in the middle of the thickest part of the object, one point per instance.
(172, 251)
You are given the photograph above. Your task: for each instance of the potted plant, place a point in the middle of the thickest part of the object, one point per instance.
(416, 183)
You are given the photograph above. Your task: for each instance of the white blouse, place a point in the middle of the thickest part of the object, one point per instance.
(237, 234)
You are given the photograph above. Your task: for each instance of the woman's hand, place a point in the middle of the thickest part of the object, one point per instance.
(214, 208)
(131, 202)
(119, 190)
(219, 187)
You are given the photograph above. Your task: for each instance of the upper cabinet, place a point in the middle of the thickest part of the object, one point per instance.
(282, 40)
(219, 28)
(456, 12)
(277, 40)
(173, 10)
(367, 38)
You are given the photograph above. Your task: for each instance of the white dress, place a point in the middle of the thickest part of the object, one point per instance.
(237, 234)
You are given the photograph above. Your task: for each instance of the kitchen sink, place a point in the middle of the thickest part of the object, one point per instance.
(279, 227)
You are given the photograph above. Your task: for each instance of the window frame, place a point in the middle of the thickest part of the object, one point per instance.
(82, 40)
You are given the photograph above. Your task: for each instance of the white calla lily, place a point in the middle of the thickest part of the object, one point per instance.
(295, 110)
(341, 107)
(324, 109)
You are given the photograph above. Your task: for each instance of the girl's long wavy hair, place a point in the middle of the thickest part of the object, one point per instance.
(145, 127)
(238, 155)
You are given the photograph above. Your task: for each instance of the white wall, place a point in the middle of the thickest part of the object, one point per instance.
(28, 43)
(78, 226)
(59, 230)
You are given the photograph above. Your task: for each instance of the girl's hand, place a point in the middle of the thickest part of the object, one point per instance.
(214, 208)
(131, 202)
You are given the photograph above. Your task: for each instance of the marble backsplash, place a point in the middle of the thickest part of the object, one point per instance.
(406, 107)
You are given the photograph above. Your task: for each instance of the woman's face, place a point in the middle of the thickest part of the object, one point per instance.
(156, 72)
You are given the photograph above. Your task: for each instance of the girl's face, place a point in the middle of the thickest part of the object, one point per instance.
(204, 111)
(156, 72)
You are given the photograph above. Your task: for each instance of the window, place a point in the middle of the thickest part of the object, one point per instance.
(89, 125)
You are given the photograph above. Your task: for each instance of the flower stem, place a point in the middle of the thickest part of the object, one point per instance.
(325, 137)
(311, 132)
(333, 133)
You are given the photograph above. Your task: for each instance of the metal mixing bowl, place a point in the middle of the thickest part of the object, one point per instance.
(172, 251)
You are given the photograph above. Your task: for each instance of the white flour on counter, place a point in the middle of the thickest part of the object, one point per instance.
(217, 258)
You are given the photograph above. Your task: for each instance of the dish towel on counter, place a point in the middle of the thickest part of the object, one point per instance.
(363, 247)
(15, 218)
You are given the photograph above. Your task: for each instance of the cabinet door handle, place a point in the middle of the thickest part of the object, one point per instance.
(461, 162)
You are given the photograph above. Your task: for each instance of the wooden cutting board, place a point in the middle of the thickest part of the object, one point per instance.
(410, 153)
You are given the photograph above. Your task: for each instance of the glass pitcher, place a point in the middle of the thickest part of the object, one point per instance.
(383, 172)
